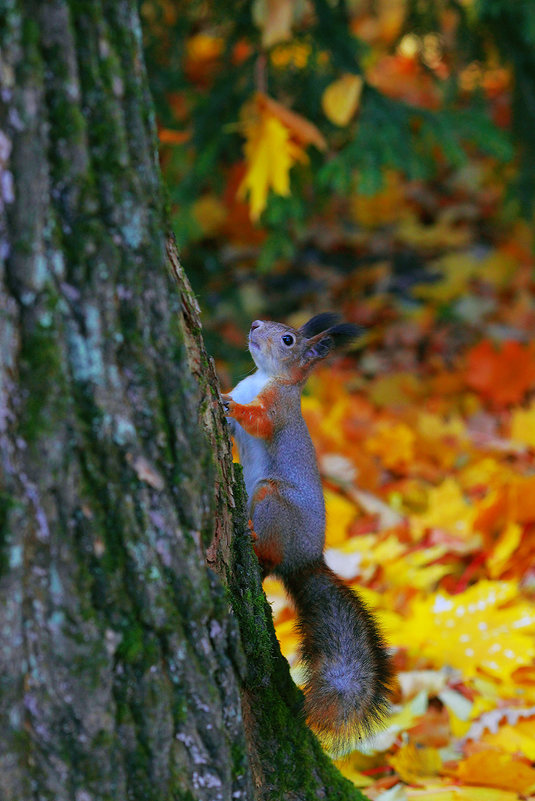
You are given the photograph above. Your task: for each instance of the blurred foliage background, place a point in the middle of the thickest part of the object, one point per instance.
(318, 152)
(376, 157)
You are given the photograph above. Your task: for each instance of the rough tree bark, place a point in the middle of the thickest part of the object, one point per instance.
(129, 667)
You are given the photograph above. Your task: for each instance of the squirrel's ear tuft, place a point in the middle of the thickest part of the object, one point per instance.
(319, 323)
(345, 333)
(319, 348)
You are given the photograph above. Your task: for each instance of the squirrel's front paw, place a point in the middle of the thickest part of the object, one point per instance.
(227, 402)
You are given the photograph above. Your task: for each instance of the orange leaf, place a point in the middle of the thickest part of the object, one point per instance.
(495, 769)
(303, 130)
(501, 376)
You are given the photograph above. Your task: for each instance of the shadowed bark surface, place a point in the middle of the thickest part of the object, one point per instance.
(129, 669)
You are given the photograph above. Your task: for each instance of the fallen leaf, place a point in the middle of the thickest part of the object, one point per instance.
(393, 443)
(413, 763)
(518, 739)
(447, 509)
(497, 769)
(487, 628)
(501, 375)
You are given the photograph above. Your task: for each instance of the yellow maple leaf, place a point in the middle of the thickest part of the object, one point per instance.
(411, 763)
(488, 698)
(270, 154)
(412, 569)
(393, 443)
(341, 98)
(487, 628)
(446, 509)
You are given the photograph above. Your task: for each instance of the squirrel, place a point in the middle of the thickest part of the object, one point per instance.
(347, 668)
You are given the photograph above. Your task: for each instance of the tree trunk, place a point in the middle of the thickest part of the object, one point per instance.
(129, 668)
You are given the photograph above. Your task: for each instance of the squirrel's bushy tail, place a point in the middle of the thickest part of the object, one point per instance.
(348, 671)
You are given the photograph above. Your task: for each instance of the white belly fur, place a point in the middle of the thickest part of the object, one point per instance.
(252, 450)
(247, 390)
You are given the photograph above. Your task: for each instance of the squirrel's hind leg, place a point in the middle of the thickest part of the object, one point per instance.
(269, 514)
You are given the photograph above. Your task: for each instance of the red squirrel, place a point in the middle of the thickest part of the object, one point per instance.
(348, 672)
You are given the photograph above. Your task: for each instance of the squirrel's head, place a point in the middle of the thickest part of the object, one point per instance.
(280, 350)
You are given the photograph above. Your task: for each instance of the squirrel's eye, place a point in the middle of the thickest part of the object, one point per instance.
(288, 339)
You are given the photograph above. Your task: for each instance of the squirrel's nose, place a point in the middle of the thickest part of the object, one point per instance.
(256, 324)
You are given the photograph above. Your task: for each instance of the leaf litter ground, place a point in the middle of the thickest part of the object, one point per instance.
(427, 452)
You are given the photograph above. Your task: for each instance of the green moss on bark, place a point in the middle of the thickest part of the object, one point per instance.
(45, 399)
(294, 765)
